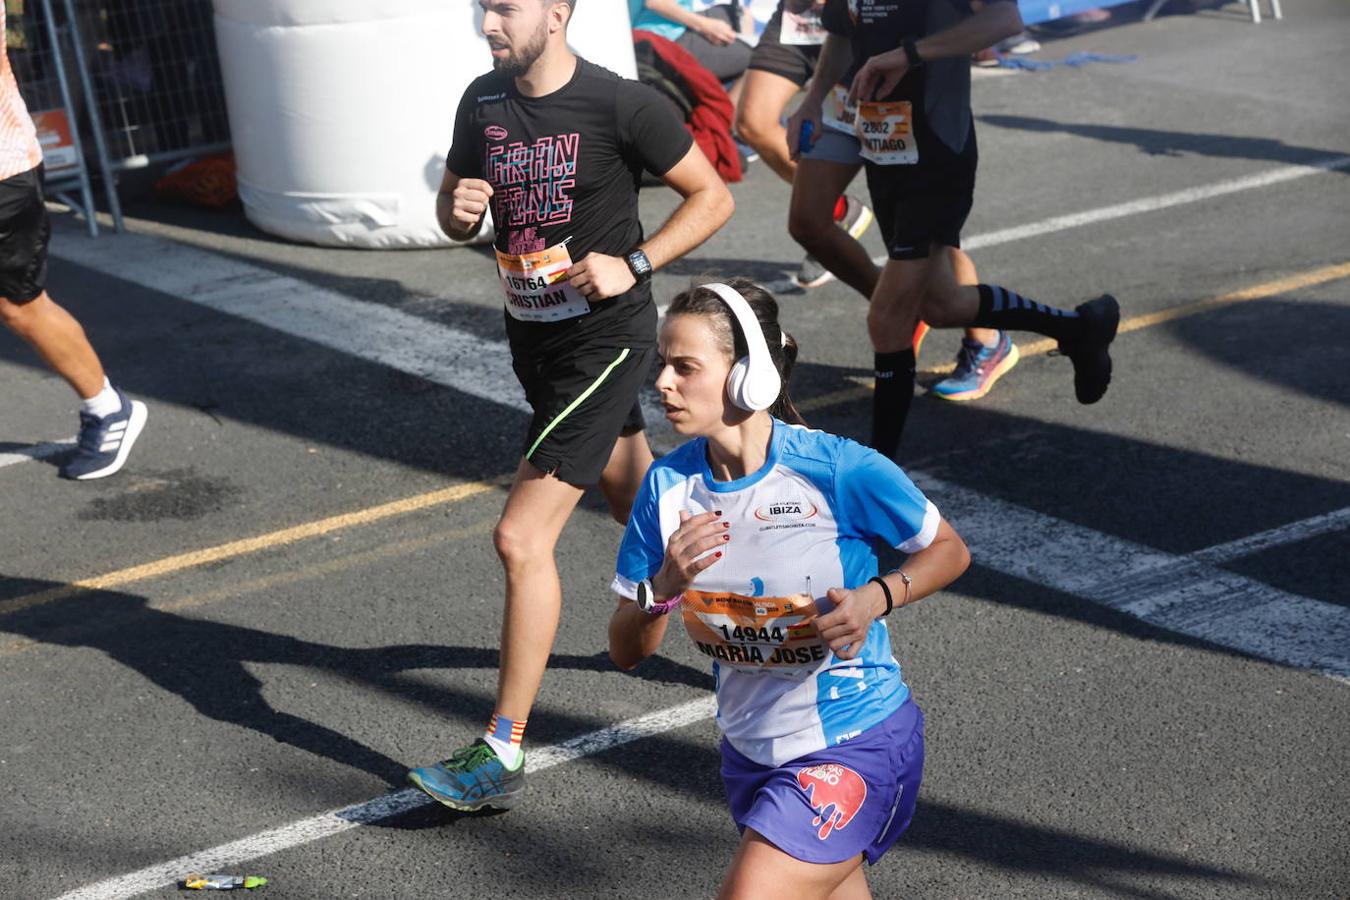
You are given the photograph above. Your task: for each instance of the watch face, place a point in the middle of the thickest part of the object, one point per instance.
(638, 262)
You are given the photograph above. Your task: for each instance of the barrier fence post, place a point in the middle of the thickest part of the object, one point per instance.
(38, 60)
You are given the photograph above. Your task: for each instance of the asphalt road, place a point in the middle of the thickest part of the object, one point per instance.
(290, 594)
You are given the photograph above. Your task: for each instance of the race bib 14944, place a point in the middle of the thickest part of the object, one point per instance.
(535, 285)
(770, 633)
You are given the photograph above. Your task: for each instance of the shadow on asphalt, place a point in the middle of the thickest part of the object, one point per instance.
(1095, 864)
(1158, 142)
(202, 662)
(1314, 330)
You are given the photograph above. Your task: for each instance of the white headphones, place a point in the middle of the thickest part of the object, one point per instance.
(754, 383)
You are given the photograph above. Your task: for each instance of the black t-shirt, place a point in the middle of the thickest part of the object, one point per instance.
(939, 90)
(566, 166)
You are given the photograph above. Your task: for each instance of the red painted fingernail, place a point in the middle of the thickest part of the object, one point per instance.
(726, 537)
(718, 553)
(717, 512)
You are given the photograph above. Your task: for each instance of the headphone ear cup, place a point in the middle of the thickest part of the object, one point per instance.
(740, 370)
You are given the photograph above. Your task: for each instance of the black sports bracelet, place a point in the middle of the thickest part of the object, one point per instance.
(911, 53)
(885, 589)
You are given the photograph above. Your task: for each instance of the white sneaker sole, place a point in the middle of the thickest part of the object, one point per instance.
(139, 414)
(864, 222)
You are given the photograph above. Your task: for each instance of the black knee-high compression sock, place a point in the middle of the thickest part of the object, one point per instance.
(1009, 311)
(891, 399)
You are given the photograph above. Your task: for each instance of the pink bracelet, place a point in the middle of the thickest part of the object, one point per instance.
(665, 606)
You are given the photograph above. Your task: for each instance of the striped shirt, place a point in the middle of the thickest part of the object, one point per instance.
(19, 148)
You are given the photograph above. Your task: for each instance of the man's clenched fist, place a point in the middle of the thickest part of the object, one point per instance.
(469, 202)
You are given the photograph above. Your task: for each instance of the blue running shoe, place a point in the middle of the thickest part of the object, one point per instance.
(473, 778)
(105, 443)
(977, 368)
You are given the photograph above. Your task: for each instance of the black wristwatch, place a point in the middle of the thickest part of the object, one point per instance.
(911, 53)
(640, 266)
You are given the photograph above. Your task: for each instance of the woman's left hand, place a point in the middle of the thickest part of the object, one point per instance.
(845, 627)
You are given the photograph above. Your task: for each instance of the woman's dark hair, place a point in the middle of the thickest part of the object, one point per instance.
(700, 301)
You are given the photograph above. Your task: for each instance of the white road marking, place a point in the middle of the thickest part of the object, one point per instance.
(1285, 534)
(1189, 595)
(1186, 594)
(478, 366)
(1132, 208)
(392, 804)
(37, 451)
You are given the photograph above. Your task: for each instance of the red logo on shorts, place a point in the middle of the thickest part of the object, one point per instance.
(835, 792)
(495, 133)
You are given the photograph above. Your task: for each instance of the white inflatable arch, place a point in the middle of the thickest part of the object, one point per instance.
(342, 110)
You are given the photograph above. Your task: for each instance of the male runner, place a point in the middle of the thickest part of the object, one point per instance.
(109, 422)
(783, 61)
(920, 153)
(556, 147)
(822, 218)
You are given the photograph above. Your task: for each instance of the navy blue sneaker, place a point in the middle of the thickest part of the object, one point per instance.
(105, 443)
(473, 778)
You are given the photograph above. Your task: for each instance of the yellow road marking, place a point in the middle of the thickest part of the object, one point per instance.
(1147, 320)
(295, 576)
(273, 539)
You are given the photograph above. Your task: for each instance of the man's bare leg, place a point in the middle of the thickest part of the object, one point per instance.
(59, 339)
(815, 189)
(537, 508)
(758, 120)
(623, 474)
(109, 423)
(963, 268)
(891, 318)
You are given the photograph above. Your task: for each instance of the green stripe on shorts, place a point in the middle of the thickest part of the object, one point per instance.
(594, 386)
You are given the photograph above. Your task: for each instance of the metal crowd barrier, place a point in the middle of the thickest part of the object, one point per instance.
(37, 47)
(149, 83)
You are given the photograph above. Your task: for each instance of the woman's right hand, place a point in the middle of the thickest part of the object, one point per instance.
(695, 537)
(810, 110)
(716, 31)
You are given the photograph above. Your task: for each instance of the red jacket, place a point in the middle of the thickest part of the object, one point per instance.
(712, 114)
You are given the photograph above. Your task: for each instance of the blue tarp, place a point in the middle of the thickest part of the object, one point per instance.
(1034, 11)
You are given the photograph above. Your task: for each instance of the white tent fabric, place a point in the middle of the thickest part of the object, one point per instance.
(342, 110)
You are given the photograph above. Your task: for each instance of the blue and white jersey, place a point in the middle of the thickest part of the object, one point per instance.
(806, 522)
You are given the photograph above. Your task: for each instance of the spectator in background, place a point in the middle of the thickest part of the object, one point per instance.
(711, 36)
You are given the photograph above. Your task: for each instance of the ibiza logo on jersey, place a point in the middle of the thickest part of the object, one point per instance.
(786, 511)
(495, 133)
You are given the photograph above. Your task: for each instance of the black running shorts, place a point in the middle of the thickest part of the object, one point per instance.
(25, 232)
(790, 61)
(582, 379)
(921, 205)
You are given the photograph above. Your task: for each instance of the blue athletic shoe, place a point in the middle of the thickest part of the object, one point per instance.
(105, 443)
(977, 368)
(473, 778)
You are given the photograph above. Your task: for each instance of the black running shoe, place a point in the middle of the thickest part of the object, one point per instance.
(1090, 351)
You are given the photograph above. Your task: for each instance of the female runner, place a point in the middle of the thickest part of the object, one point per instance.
(761, 532)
